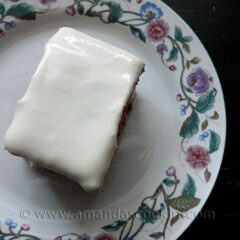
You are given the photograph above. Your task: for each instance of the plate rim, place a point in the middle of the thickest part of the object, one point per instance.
(223, 142)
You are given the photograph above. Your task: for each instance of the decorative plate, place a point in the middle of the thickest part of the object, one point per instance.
(171, 149)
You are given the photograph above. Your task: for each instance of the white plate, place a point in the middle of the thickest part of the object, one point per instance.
(169, 156)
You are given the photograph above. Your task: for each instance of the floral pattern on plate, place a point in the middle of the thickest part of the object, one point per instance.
(196, 102)
(163, 206)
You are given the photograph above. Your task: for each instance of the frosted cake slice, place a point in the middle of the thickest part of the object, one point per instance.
(69, 118)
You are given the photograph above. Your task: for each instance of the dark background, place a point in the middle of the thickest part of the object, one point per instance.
(217, 24)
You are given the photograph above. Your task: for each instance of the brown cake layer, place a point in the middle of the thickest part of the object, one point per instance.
(127, 109)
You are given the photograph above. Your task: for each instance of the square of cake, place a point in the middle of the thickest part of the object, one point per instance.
(76, 103)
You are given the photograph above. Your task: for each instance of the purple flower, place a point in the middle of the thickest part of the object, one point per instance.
(47, 1)
(198, 81)
(197, 157)
(150, 11)
(162, 49)
(70, 11)
(179, 97)
(171, 172)
(83, 237)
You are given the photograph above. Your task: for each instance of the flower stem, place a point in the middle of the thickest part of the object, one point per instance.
(27, 236)
(103, 11)
(11, 231)
(45, 10)
(94, 4)
(143, 224)
(146, 198)
(189, 99)
(133, 13)
(130, 228)
(175, 187)
(163, 61)
(128, 24)
(89, 1)
(138, 230)
(134, 19)
(121, 233)
(168, 209)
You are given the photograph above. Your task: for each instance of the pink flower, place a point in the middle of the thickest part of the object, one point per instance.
(157, 30)
(197, 157)
(47, 1)
(104, 236)
(25, 227)
(70, 11)
(2, 33)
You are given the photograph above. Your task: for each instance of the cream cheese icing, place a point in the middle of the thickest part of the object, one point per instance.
(68, 119)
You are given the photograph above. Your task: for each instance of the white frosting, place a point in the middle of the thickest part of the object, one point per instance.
(68, 119)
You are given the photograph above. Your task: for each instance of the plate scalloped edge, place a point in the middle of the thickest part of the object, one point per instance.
(199, 137)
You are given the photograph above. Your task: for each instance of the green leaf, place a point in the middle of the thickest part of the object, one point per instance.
(156, 235)
(215, 116)
(115, 11)
(181, 215)
(186, 39)
(184, 203)
(195, 60)
(190, 126)
(206, 101)
(187, 89)
(147, 214)
(186, 47)
(116, 225)
(214, 142)
(157, 192)
(80, 8)
(173, 55)
(179, 36)
(23, 11)
(189, 188)
(2, 9)
(174, 219)
(168, 182)
(137, 32)
(207, 175)
(178, 33)
(204, 124)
